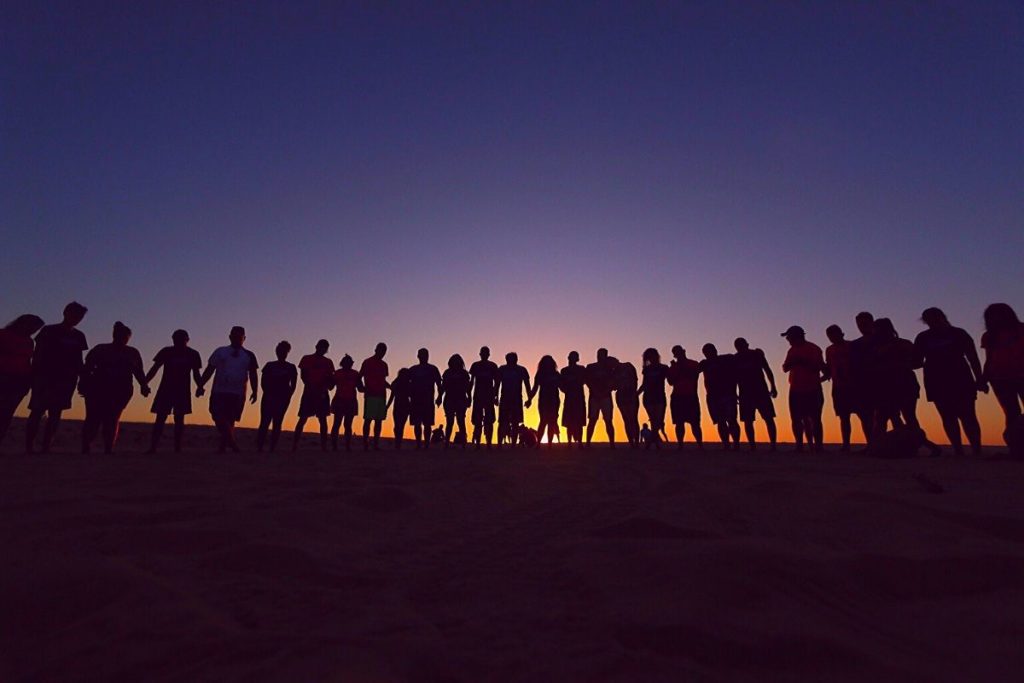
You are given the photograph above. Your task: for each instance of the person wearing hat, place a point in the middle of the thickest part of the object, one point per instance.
(106, 384)
(805, 364)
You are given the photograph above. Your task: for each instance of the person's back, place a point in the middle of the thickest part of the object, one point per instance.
(598, 378)
(683, 375)
(572, 381)
(58, 351)
(837, 359)
(232, 366)
(804, 362)
(626, 382)
(423, 377)
(456, 387)
(179, 364)
(944, 352)
(317, 371)
(111, 369)
(278, 378)
(485, 377)
(749, 370)
(511, 379)
(15, 354)
(1004, 354)
(719, 375)
(346, 382)
(374, 373)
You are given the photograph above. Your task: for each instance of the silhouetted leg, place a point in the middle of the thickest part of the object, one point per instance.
(179, 431)
(845, 429)
(460, 420)
(951, 425)
(366, 435)
(261, 433)
(299, 427)
(322, 419)
(972, 429)
(867, 425)
(399, 432)
(276, 426)
(748, 428)
(773, 431)
(417, 432)
(32, 429)
(798, 433)
(157, 433)
(449, 423)
(489, 432)
(90, 428)
(723, 432)
(335, 428)
(111, 424)
(909, 413)
(348, 432)
(377, 424)
(818, 431)
(50, 430)
(610, 428)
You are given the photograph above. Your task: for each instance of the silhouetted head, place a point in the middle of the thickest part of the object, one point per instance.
(485, 353)
(741, 344)
(1000, 318)
(865, 323)
(834, 333)
(795, 334)
(282, 350)
(25, 325)
(547, 364)
(652, 357)
(574, 357)
(602, 355)
(511, 358)
(645, 426)
(934, 317)
(423, 355)
(380, 350)
(122, 333)
(709, 351)
(74, 312)
(322, 346)
(678, 352)
(237, 336)
(884, 329)
(456, 362)
(180, 338)
(346, 362)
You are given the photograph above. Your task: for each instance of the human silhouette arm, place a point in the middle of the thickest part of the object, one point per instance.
(254, 380)
(157, 364)
(972, 359)
(529, 389)
(771, 376)
(85, 374)
(207, 374)
(442, 387)
(140, 377)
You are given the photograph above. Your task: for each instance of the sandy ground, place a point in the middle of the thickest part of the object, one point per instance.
(518, 566)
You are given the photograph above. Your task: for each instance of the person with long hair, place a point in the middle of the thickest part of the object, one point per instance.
(547, 382)
(174, 396)
(16, 348)
(895, 389)
(626, 383)
(279, 381)
(454, 396)
(1003, 342)
(345, 404)
(106, 384)
(952, 377)
(652, 388)
(56, 367)
(574, 404)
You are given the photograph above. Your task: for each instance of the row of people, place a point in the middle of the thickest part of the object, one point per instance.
(872, 377)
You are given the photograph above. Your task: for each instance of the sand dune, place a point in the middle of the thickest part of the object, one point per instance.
(461, 566)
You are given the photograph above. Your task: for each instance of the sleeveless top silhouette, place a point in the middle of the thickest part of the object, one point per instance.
(574, 408)
(549, 399)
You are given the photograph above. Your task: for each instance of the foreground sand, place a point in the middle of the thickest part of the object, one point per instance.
(592, 566)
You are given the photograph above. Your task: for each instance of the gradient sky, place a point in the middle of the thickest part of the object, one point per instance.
(539, 177)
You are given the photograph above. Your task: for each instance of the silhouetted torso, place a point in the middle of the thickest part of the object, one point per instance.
(374, 372)
(110, 370)
(574, 408)
(278, 378)
(422, 380)
(684, 374)
(15, 355)
(1004, 355)
(58, 356)
(805, 361)
(511, 379)
(317, 372)
(548, 400)
(346, 382)
(893, 366)
(232, 366)
(179, 363)
(837, 358)
(655, 375)
(400, 392)
(749, 366)
(485, 378)
(720, 380)
(626, 381)
(599, 380)
(947, 375)
(456, 389)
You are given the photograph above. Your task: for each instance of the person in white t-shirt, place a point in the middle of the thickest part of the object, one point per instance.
(235, 369)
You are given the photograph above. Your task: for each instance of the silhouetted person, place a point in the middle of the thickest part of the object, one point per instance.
(599, 377)
(423, 379)
(649, 438)
(317, 373)
(374, 373)
(402, 400)
(895, 385)
(16, 348)
(484, 376)
(952, 377)
(546, 382)
(755, 395)
(1003, 342)
(279, 381)
(106, 384)
(455, 397)
(574, 405)
(721, 387)
(174, 396)
(345, 405)
(626, 384)
(56, 364)
(805, 365)
(838, 371)
(512, 379)
(861, 387)
(655, 374)
(233, 368)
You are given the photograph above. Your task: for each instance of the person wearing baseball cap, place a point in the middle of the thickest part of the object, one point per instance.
(805, 365)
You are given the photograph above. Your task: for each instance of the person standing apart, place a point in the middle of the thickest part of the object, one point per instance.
(484, 387)
(16, 348)
(279, 381)
(56, 366)
(233, 369)
(174, 396)
(756, 396)
(952, 378)
(106, 385)
(316, 371)
(374, 373)
(805, 365)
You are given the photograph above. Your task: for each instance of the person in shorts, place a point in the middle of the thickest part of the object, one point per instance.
(106, 383)
(455, 397)
(721, 388)
(399, 403)
(374, 374)
(806, 366)
(424, 378)
(683, 374)
(345, 404)
(233, 369)
(317, 373)
(279, 381)
(56, 365)
(512, 380)
(181, 365)
(599, 377)
(756, 395)
(484, 387)
(837, 371)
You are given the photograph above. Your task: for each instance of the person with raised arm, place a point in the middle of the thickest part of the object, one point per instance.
(106, 385)
(574, 405)
(317, 373)
(755, 394)
(424, 378)
(512, 379)
(181, 365)
(233, 369)
(374, 373)
(16, 348)
(806, 366)
(56, 366)
(454, 395)
(345, 405)
(280, 379)
(484, 388)
(546, 382)
(683, 375)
